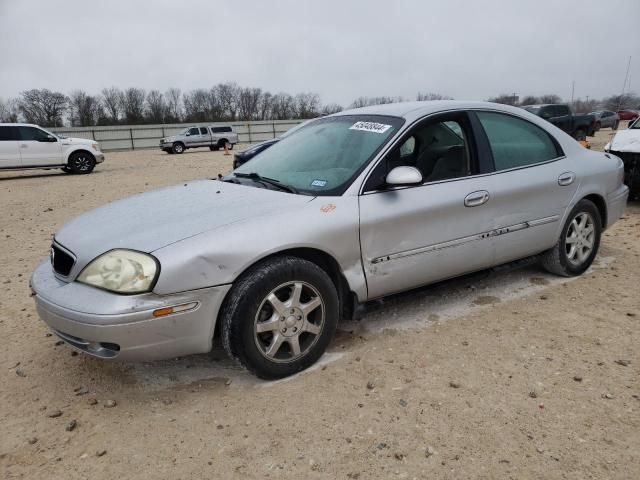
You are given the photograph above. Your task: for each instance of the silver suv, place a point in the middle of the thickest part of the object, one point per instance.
(200, 136)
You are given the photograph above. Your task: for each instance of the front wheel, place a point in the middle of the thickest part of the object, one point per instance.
(279, 317)
(177, 148)
(81, 163)
(578, 243)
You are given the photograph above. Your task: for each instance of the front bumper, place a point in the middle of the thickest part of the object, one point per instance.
(108, 325)
(99, 157)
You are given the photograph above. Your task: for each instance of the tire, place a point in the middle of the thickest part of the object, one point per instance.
(570, 264)
(169, 151)
(221, 143)
(580, 135)
(266, 295)
(231, 146)
(178, 148)
(81, 163)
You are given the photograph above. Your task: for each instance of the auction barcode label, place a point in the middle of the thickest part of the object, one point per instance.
(370, 127)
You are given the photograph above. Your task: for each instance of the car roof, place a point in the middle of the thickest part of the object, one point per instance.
(413, 110)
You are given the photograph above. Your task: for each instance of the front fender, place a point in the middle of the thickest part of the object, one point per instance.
(218, 257)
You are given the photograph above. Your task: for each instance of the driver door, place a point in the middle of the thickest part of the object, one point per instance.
(415, 235)
(38, 148)
(193, 137)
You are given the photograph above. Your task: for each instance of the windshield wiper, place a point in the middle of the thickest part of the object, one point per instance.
(271, 181)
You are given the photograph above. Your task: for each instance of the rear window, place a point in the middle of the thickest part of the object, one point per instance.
(203, 130)
(516, 142)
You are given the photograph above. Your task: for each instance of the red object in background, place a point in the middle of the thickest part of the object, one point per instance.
(628, 114)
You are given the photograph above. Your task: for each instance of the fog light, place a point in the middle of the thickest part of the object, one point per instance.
(163, 312)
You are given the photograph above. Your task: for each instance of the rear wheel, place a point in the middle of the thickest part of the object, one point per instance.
(578, 243)
(279, 317)
(81, 163)
(177, 148)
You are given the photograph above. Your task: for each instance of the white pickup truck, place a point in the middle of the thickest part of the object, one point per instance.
(25, 146)
(200, 136)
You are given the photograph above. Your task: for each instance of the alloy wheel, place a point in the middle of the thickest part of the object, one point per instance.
(289, 321)
(580, 238)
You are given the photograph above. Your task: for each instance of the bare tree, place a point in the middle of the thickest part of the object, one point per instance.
(85, 109)
(195, 105)
(112, 103)
(550, 98)
(249, 103)
(617, 102)
(584, 106)
(156, 107)
(133, 105)
(330, 109)
(229, 93)
(9, 110)
(44, 107)
(283, 107)
(174, 108)
(367, 101)
(307, 105)
(266, 105)
(432, 96)
(530, 100)
(505, 99)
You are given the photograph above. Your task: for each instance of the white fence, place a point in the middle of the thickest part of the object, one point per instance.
(133, 137)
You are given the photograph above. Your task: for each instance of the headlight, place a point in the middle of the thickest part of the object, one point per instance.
(121, 271)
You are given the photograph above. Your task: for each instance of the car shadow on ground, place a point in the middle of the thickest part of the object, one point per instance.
(22, 175)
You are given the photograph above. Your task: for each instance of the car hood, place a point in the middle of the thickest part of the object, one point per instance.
(626, 141)
(77, 141)
(152, 220)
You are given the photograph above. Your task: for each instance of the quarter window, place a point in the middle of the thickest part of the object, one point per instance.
(515, 142)
(203, 130)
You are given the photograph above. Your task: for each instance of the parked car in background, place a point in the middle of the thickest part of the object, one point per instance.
(578, 126)
(628, 114)
(24, 146)
(606, 119)
(214, 137)
(626, 145)
(244, 156)
(349, 208)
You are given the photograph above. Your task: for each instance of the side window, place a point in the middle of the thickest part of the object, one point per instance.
(515, 142)
(203, 130)
(7, 134)
(215, 129)
(440, 150)
(194, 131)
(561, 111)
(226, 129)
(31, 133)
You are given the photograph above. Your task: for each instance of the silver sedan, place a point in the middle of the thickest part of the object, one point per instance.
(349, 208)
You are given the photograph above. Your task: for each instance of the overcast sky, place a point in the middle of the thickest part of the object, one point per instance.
(340, 49)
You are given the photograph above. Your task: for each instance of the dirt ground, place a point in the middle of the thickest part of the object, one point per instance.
(503, 374)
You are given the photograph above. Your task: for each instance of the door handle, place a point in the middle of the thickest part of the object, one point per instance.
(566, 178)
(475, 199)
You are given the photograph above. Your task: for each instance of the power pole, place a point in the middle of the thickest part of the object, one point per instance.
(626, 76)
(573, 87)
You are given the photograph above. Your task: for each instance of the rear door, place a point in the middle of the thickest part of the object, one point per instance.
(39, 148)
(531, 188)
(411, 236)
(9, 149)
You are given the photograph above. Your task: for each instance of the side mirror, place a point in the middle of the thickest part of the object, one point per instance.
(187, 134)
(51, 138)
(404, 175)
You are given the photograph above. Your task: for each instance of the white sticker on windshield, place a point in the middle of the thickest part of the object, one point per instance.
(370, 127)
(318, 183)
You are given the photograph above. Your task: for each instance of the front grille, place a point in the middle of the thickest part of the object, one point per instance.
(631, 162)
(61, 261)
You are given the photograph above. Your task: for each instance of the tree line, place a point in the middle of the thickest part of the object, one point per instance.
(579, 105)
(223, 102)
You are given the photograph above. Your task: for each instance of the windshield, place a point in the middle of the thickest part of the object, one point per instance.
(635, 124)
(183, 131)
(324, 156)
(531, 109)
